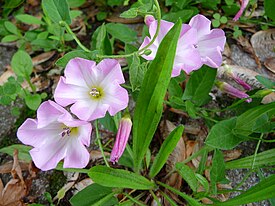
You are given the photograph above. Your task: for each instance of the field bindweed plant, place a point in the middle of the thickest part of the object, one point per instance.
(93, 89)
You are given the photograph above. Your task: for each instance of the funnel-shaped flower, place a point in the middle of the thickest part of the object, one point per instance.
(240, 12)
(197, 44)
(227, 88)
(92, 89)
(55, 135)
(122, 137)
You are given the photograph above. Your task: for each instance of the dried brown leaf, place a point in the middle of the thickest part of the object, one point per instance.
(7, 167)
(263, 43)
(232, 154)
(42, 57)
(270, 64)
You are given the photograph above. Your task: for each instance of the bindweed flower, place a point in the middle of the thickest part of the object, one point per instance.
(197, 44)
(92, 89)
(244, 4)
(227, 88)
(56, 135)
(122, 137)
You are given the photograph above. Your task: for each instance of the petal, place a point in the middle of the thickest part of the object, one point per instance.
(79, 72)
(153, 49)
(49, 112)
(149, 19)
(48, 155)
(240, 12)
(28, 133)
(165, 26)
(77, 155)
(89, 110)
(211, 46)
(201, 23)
(110, 71)
(85, 132)
(116, 98)
(188, 37)
(66, 94)
(188, 58)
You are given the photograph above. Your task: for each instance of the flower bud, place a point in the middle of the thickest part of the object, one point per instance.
(227, 88)
(124, 130)
(147, 52)
(237, 79)
(149, 19)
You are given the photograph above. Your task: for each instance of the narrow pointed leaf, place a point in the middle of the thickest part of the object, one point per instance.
(262, 191)
(166, 149)
(188, 175)
(110, 177)
(149, 103)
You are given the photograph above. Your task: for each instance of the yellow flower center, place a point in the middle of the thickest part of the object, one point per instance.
(96, 92)
(69, 131)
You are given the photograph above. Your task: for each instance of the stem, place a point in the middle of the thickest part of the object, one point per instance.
(158, 28)
(134, 200)
(256, 151)
(68, 29)
(30, 84)
(155, 197)
(139, 52)
(99, 143)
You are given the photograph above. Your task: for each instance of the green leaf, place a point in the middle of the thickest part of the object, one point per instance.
(203, 181)
(188, 175)
(136, 72)
(266, 82)
(191, 109)
(262, 191)
(222, 135)
(121, 32)
(63, 61)
(217, 171)
(75, 3)
(184, 14)
(57, 10)
(33, 101)
(109, 123)
(90, 195)
(148, 109)
(110, 177)
(11, 27)
(166, 149)
(9, 88)
(266, 158)
(10, 38)
(131, 13)
(6, 100)
(12, 3)
(23, 151)
(199, 85)
(268, 7)
(246, 121)
(103, 43)
(21, 64)
(28, 19)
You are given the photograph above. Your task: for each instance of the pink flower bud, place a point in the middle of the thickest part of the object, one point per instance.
(122, 137)
(238, 80)
(227, 88)
(240, 12)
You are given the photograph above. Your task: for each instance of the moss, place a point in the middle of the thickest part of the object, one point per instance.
(56, 181)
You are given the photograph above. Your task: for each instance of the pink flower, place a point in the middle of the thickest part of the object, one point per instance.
(92, 89)
(122, 137)
(244, 4)
(227, 88)
(56, 135)
(197, 44)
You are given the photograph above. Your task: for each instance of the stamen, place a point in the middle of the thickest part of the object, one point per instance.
(94, 92)
(195, 45)
(66, 131)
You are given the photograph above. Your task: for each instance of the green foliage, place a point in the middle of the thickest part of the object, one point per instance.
(21, 64)
(141, 7)
(262, 191)
(23, 151)
(188, 175)
(119, 178)
(121, 32)
(136, 72)
(57, 10)
(266, 82)
(218, 20)
(217, 171)
(148, 109)
(199, 86)
(28, 19)
(75, 3)
(92, 194)
(166, 149)
(268, 7)
(12, 4)
(62, 62)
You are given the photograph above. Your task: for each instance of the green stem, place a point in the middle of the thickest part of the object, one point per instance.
(155, 197)
(256, 151)
(100, 144)
(68, 29)
(134, 200)
(140, 52)
(158, 28)
(30, 84)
